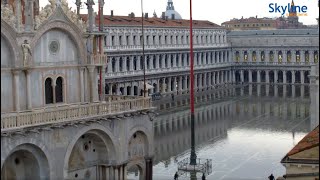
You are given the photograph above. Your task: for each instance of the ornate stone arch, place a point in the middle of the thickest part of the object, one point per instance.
(146, 132)
(29, 145)
(84, 130)
(74, 32)
(10, 35)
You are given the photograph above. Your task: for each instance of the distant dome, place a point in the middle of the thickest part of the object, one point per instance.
(170, 11)
(176, 14)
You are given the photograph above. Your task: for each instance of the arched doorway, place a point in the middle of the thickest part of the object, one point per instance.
(26, 161)
(137, 151)
(90, 150)
(135, 172)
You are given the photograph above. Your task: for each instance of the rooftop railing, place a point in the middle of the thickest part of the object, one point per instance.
(113, 105)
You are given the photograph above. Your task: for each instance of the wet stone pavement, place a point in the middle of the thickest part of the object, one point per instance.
(245, 133)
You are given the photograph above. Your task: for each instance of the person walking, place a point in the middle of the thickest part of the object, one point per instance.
(203, 177)
(176, 176)
(271, 177)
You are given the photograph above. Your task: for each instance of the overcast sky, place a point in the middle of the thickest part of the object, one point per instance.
(216, 11)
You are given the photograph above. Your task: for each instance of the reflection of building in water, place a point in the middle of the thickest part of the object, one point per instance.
(172, 131)
(172, 126)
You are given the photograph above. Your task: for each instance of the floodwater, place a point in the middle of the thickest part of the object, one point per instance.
(245, 131)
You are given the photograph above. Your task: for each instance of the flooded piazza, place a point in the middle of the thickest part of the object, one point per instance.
(244, 130)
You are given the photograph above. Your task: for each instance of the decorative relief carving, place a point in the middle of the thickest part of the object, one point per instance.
(48, 10)
(8, 15)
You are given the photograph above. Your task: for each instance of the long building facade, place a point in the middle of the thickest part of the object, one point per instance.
(220, 58)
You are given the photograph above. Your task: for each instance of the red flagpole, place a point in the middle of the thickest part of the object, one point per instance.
(193, 156)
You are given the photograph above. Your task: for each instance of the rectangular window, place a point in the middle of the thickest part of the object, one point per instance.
(112, 41)
(120, 40)
(134, 40)
(127, 40)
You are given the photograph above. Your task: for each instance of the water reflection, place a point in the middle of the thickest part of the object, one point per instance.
(239, 128)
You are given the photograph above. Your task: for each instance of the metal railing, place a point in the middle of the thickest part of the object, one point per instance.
(112, 105)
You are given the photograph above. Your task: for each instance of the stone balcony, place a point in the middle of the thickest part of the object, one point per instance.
(97, 59)
(70, 113)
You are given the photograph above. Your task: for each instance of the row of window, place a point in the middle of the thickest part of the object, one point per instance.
(163, 40)
(250, 25)
(168, 61)
(53, 91)
(280, 55)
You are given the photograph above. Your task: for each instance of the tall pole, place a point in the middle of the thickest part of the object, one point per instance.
(100, 19)
(143, 58)
(193, 156)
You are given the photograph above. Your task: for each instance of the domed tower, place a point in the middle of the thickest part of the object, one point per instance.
(293, 19)
(170, 12)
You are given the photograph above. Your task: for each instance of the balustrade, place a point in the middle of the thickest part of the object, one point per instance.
(112, 105)
(98, 59)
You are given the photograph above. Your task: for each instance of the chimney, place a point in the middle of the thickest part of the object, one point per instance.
(163, 16)
(166, 18)
(173, 16)
(146, 15)
(256, 16)
(111, 13)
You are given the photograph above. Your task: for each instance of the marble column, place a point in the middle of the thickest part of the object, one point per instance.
(276, 91)
(92, 84)
(293, 77)
(293, 89)
(302, 91)
(210, 80)
(186, 83)
(250, 76)
(125, 172)
(241, 75)
(205, 85)
(180, 85)
(116, 173)
(233, 76)
(258, 89)
(284, 73)
(267, 89)
(132, 89)
(169, 84)
(275, 76)
(284, 91)
(103, 81)
(118, 64)
(121, 173)
(250, 89)
(16, 95)
(302, 57)
(28, 84)
(302, 77)
(258, 76)
(267, 77)
(107, 172)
